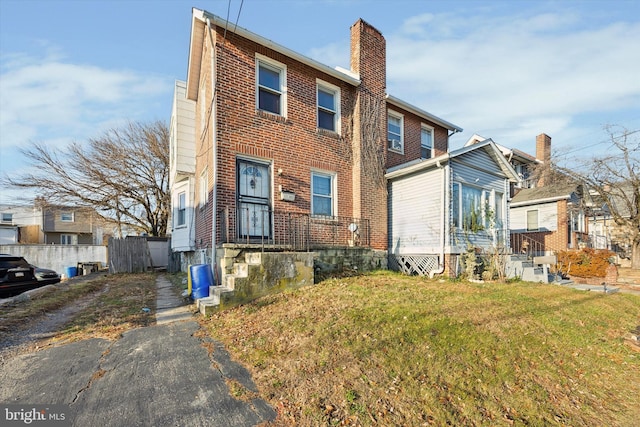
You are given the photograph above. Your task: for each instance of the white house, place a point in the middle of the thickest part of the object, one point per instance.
(441, 206)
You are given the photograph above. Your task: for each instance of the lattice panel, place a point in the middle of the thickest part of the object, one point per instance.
(421, 265)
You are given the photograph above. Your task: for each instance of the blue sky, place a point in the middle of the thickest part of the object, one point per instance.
(506, 70)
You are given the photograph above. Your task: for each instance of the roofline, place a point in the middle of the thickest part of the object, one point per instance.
(417, 165)
(203, 15)
(412, 108)
(538, 201)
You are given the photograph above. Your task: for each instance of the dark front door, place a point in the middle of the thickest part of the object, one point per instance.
(254, 198)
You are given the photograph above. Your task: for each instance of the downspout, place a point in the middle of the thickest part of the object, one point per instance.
(214, 140)
(444, 224)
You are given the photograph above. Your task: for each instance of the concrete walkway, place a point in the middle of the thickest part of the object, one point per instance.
(161, 375)
(170, 307)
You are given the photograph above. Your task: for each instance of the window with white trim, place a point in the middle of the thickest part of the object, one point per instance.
(426, 142)
(203, 187)
(532, 220)
(270, 83)
(66, 216)
(322, 194)
(470, 207)
(182, 209)
(395, 131)
(7, 217)
(328, 104)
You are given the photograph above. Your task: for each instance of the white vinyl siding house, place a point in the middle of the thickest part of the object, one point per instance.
(521, 218)
(425, 195)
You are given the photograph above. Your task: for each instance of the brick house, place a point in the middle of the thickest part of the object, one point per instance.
(288, 153)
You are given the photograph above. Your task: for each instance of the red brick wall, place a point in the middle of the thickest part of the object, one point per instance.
(412, 127)
(292, 144)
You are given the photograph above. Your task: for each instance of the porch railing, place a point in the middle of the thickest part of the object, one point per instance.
(292, 231)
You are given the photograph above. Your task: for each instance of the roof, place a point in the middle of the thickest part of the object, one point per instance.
(422, 164)
(202, 18)
(548, 193)
(510, 153)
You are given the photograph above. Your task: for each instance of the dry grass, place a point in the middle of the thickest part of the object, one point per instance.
(118, 309)
(386, 349)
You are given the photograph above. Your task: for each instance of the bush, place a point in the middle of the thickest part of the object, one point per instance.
(585, 262)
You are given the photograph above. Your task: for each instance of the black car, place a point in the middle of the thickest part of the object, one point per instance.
(16, 276)
(46, 276)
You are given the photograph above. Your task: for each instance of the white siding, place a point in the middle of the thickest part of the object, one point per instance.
(547, 217)
(183, 237)
(415, 206)
(183, 160)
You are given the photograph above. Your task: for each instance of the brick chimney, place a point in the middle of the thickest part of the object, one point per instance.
(368, 60)
(543, 153)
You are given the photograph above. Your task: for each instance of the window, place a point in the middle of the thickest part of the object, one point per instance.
(68, 239)
(426, 142)
(66, 216)
(532, 220)
(204, 188)
(328, 97)
(498, 213)
(469, 208)
(271, 77)
(322, 200)
(182, 209)
(394, 132)
(7, 217)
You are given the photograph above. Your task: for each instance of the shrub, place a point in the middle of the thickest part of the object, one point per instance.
(585, 262)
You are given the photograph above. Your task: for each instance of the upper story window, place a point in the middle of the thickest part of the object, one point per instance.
(426, 142)
(395, 132)
(271, 85)
(66, 216)
(182, 209)
(328, 99)
(323, 194)
(7, 217)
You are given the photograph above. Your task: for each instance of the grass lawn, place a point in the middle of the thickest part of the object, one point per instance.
(387, 349)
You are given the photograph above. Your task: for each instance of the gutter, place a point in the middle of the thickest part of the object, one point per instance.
(209, 18)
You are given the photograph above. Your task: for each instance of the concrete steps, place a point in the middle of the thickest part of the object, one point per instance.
(255, 274)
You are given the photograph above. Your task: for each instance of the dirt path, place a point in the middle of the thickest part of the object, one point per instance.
(34, 334)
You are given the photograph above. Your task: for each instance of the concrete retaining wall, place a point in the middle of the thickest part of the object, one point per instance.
(58, 257)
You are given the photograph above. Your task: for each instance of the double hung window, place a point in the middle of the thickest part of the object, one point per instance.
(323, 194)
(271, 78)
(328, 100)
(395, 134)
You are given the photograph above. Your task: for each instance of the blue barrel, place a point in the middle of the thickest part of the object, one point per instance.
(201, 279)
(72, 272)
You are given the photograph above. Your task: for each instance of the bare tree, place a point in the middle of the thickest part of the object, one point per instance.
(123, 174)
(615, 178)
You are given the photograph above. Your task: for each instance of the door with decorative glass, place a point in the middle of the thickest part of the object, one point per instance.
(254, 199)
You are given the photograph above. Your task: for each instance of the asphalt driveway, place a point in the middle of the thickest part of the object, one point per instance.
(160, 375)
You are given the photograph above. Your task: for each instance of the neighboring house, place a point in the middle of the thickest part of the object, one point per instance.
(182, 171)
(43, 223)
(67, 225)
(20, 224)
(286, 152)
(441, 207)
(604, 232)
(545, 216)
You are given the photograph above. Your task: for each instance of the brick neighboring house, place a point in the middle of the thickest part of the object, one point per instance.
(288, 153)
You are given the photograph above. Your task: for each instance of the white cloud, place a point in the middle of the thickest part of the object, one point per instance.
(52, 99)
(512, 77)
